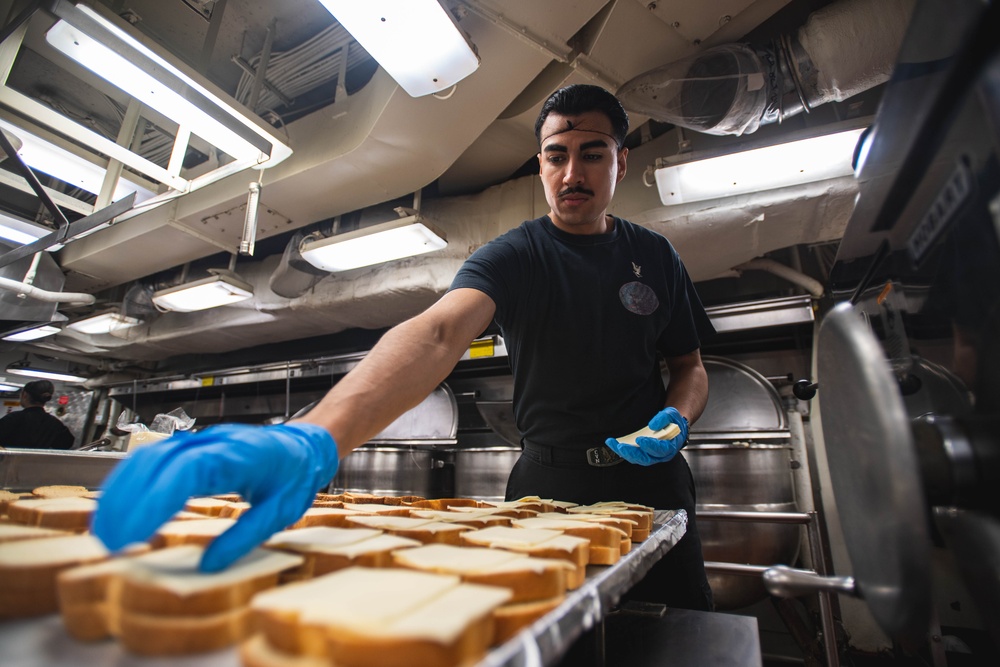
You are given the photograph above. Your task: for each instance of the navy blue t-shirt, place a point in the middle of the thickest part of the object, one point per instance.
(583, 318)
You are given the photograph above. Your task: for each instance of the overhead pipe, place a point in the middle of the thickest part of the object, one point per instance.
(24, 289)
(842, 49)
(809, 284)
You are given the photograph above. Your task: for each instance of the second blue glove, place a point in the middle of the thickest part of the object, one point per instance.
(648, 451)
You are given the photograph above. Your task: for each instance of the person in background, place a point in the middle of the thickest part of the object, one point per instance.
(588, 305)
(33, 427)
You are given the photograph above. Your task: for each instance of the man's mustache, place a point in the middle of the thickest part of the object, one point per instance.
(576, 190)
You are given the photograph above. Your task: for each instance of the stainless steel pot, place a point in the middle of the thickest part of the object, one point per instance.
(745, 478)
(481, 472)
(391, 471)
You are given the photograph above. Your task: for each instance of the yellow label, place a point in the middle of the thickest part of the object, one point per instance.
(208, 381)
(481, 348)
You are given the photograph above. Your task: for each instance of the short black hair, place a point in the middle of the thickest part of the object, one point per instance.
(40, 391)
(580, 98)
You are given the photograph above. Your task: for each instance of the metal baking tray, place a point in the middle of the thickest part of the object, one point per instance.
(43, 642)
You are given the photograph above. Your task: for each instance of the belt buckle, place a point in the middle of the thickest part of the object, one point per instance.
(602, 457)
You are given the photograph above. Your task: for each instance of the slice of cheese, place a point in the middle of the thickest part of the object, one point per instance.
(176, 569)
(668, 433)
(320, 537)
(389, 604)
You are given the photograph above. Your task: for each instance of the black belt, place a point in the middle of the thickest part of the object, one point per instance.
(598, 457)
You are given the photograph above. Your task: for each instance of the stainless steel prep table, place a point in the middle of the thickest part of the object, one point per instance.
(44, 643)
(26, 469)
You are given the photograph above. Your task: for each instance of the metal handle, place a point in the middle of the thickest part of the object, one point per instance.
(787, 582)
(804, 390)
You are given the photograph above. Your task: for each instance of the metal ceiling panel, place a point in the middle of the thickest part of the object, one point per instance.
(695, 21)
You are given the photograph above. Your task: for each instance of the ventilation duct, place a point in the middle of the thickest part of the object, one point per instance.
(294, 275)
(843, 49)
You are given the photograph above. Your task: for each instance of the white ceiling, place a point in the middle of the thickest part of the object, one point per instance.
(370, 150)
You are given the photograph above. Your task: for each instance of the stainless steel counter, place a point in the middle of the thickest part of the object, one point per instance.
(44, 643)
(26, 469)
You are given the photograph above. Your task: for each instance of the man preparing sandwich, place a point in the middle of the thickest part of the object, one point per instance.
(587, 303)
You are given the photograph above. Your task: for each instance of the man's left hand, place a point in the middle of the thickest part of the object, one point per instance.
(648, 451)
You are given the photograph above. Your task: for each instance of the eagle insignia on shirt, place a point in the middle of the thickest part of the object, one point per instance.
(637, 270)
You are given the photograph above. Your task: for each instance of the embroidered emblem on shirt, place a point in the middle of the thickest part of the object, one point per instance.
(638, 298)
(637, 270)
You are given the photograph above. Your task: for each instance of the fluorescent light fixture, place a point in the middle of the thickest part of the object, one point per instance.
(33, 334)
(379, 243)
(104, 323)
(125, 62)
(22, 232)
(415, 41)
(767, 168)
(22, 368)
(211, 292)
(6, 386)
(69, 167)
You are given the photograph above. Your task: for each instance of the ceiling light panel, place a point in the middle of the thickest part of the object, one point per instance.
(766, 168)
(380, 243)
(210, 292)
(415, 41)
(104, 323)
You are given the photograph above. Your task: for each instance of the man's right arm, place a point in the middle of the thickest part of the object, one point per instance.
(279, 468)
(407, 364)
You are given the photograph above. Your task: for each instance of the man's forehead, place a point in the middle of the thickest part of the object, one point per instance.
(585, 127)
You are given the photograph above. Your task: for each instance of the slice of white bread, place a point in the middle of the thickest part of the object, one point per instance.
(668, 433)
(424, 531)
(95, 600)
(198, 532)
(13, 532)
(538, 542)
(444, 503)
(83, 599)
(562, 505)
(533, 503)
(72, 513)
(361, 617)
(334, 517)
(234, 510)
(169, 583)
(326, 550)
(208, 506)
(527, 578)
(512, 618)
(60, 491)
(606, 542)
(624, 525)
(7, 497)
(85, 594)
(152, 635)
(165, 606)
(378, 509)
(258, 652)
(369, 498)
(641, 514)
(28, 570)
(473, 517)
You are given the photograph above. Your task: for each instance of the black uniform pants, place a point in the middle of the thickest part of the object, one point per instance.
(678, 579)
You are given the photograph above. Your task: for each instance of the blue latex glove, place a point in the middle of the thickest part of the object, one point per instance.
(277, 469)
(651, 450)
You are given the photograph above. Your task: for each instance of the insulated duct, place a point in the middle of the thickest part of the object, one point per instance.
(843, 49)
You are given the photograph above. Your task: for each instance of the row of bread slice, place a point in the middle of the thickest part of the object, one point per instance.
(70, 508)
(576, 537)
(156, 603)
(352, 549)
